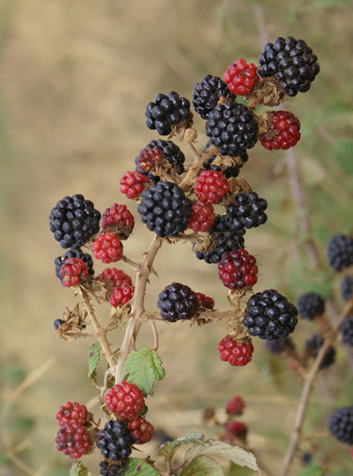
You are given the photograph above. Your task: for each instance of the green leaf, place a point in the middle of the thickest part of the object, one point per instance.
(311, 471)
(168, 449)
(202, 466)
(140, 467)
(77, 469)
(143, 368)
(342, 152)
(94, 355)
(219, 449)
(236, 470)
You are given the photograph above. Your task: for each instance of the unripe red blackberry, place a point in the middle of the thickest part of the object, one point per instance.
(72, 412)
(74, 221)
(132, 184)
(346, 329)
(166, 111)
(241, 77)
(310, 305)
(171, 152)
(340, 252)
(116, 277)
(73, 271)
(204, 301)
(247, 211)
(232, 128)
(340, 425)
(235, 406)
(237, 352)
(202, 216)
(73, 440)
(312, 347)
(211, 186)
(121, 295)
(207, 93)
(269, 315)
(148, 160)
(119, 286)
(125, 400)
(236, 429)
(108, 248)
(86, 258)
(119, 220)
(292, 62)
(237, 269)
(177, 302)
(283, 131)
(165, 209)
(115, 440)
(141, 430)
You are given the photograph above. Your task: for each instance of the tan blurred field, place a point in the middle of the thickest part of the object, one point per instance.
(75, 78)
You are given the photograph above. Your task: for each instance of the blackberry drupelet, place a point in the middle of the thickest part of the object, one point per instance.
(248, 210)
(340, 252)
(347, 288)
(177, 302)
(223, 239)
(269, 315)
(74, 221)
(292, 62)
(86, 258)
(232, 128)
(165, 209)
(310, 305)
(340, 425)
(312, 347)
(231, 170)
(346, 329)
(207, 93)
(171, 152)
(115, 440)
(166, 111)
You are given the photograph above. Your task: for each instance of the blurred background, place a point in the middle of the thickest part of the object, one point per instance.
(75, 77)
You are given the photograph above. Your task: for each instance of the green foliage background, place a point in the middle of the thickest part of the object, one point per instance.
(74, 81)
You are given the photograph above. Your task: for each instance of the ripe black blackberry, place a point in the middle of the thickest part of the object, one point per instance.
(74, 221)
(230, 169)
(347, 288)
(223, 239)
(166, 111)
(310, 305)
(340, 252)
(346, 329)
(171, 152)
(292, 62)
(340, 425)
(165, 209)
(232, 128)
(115, 440)
(269, 315)
(86, 258)
(312, 347)
(277, 347)
(176, 302)
(248, 210)
(109, 468)
(207, 93)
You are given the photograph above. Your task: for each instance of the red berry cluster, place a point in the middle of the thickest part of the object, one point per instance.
(211, 186)
(119, 220)
(283, 131)
(237, 269)
(123, 290)
(132, 184)
(72, 271)
(237, 352)
(148, 159)
(202, 216)
(241, 77)
(205, 301)
(107, 247)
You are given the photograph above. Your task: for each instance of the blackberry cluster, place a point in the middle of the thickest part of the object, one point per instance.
(340, 252)
(78, 254)
(171, 152)
(340, 425)
(165, 209)
(223, 239)
(230, 171)
(292, 62)
(177, 302)
(248, 210)
(115, 440)
(207, 93)
(312, 347)
(346, 329)
(74, 221)
(232, 128)
(269, 315)
(347, 288)
(166, 111)
(310, 305)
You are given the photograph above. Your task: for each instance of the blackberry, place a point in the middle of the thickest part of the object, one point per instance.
(241, 77)
(73, 272)
(165, 209)
(340, 252)
(73, 440)
(109, 468)
(125, 400)
(177, 302)
(223, 239)
(292, 62)
(248, 210)
(312, 347)
(211, 186)
(230, 170)
(340, 425)
(207, 93)
(277, 347)
(235, 406)
(283, 131)
(237, 269)
(171, 152)
(310, 305)
(115, 440)
(119, 220)
(346, 329)
(74, 221)
(347, 288)
(269, 315)
(236, 352)
(166, 111)
(60, 260)
(202, 216)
